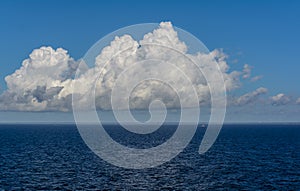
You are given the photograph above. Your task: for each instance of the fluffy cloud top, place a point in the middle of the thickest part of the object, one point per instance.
(251, 96)
(162, 44)
(37, 84)
(45, 80)
(280, 99)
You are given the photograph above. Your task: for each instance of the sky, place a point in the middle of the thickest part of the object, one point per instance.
(262, 34)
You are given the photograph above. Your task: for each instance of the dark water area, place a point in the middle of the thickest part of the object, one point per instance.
(244, 157)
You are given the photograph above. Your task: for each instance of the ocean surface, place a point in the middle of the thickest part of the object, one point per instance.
(244, 157)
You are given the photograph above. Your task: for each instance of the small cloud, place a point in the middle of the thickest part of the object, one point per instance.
(256, 78)
(247, 71)
(298, 101)
(280, 99)
(251, 96)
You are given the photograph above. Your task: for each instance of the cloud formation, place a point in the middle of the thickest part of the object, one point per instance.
(45, 80)
(251, 96)
(256, 78)
(37, 84)
(280, 99)
(247, 71)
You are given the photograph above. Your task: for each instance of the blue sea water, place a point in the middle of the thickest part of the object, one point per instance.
(244, 157)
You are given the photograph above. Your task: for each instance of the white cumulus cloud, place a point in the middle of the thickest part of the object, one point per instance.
(45, 80)
(37, 84)
(251, 96)
(280, 99)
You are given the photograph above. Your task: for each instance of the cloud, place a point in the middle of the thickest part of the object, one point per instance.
(37, 84)
(298, 101)
(45, 80)
(256, 78)
(280, 99)
(251, 96)
(247, 71)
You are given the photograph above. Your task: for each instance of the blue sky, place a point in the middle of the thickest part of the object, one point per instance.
(263, 34)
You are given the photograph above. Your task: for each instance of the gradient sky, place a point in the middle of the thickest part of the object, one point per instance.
(263, 34)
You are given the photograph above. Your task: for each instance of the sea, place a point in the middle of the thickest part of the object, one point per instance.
(244, 157)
